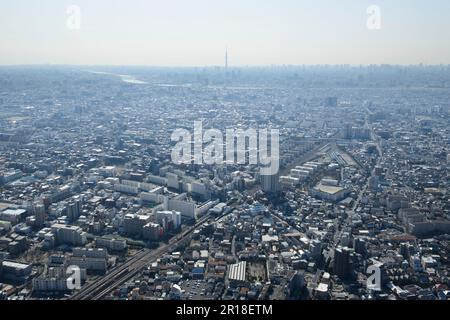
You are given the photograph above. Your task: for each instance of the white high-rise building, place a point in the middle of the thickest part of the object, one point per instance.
(172, 181)
(187, 209)
(72, 235)
(166, 218)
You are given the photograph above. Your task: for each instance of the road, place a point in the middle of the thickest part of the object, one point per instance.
(363, 190)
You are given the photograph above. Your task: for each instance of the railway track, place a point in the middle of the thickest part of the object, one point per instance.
(89, 289)
(126, 271)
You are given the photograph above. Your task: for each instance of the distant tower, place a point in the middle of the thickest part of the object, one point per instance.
(226, 59)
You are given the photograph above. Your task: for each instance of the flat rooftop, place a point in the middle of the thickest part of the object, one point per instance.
(14, 212)
(328, 189)
(16, 265)
(4, 206)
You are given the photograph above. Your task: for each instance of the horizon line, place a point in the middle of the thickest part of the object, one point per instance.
(229, 67)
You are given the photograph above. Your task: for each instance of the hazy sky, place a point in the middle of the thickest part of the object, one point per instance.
(196, 32)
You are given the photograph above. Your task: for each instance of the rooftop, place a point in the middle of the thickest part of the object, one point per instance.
(328, 189)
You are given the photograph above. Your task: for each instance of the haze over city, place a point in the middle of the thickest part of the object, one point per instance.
(196, 32)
